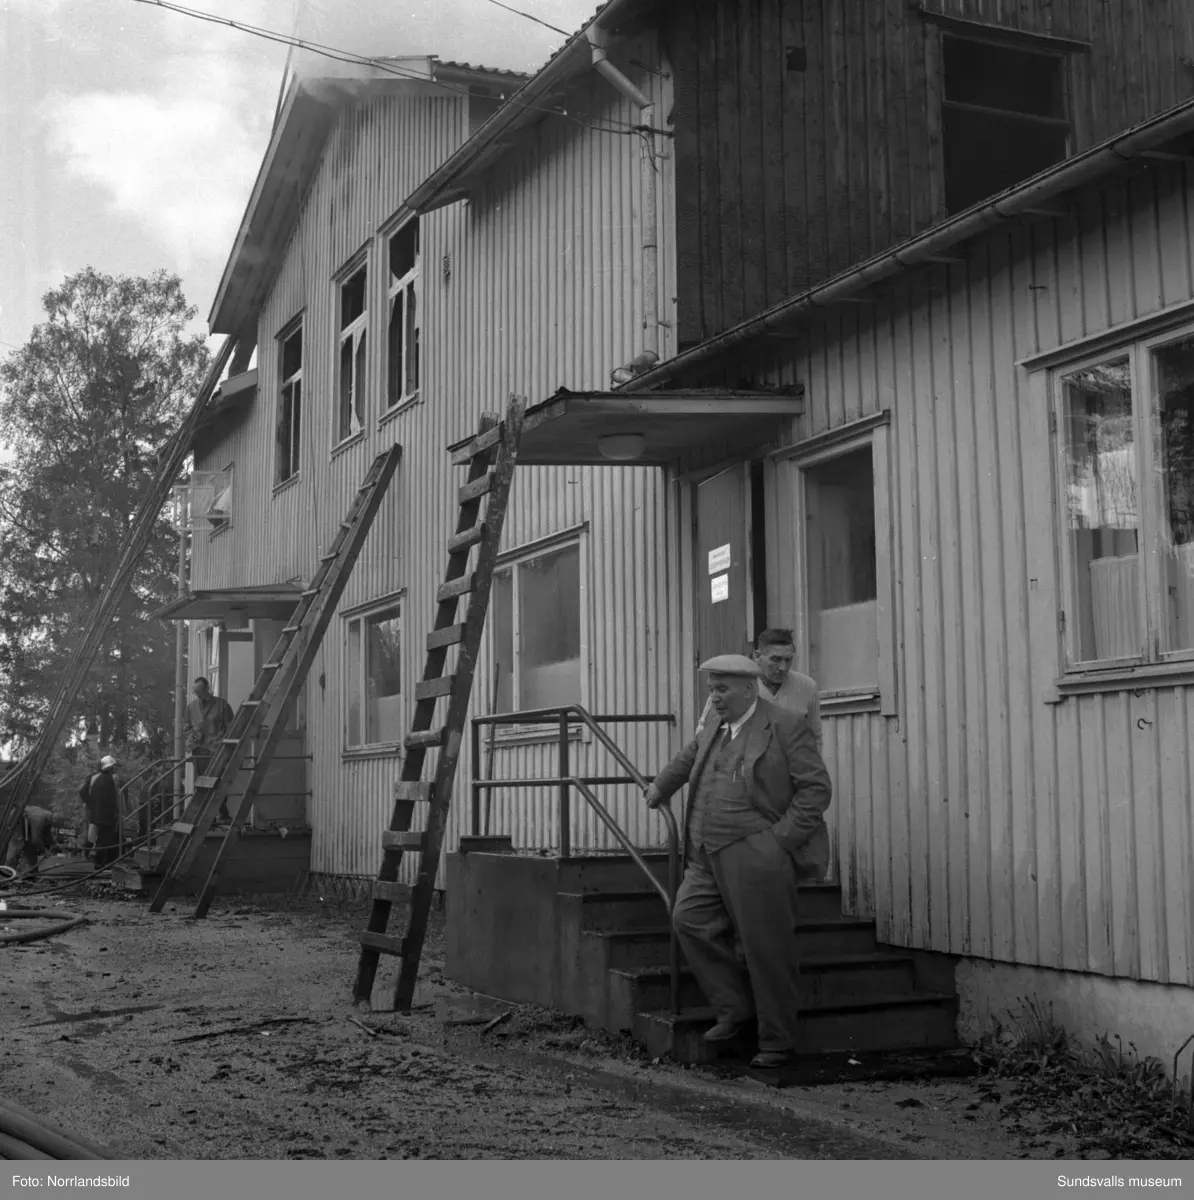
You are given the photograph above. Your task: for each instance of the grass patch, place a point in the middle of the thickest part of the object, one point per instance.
(1107, 1100)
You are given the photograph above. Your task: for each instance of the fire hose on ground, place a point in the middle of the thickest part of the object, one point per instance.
(26, 1136)
(62, 921)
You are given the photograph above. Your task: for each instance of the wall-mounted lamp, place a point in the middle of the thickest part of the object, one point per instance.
(622, 447)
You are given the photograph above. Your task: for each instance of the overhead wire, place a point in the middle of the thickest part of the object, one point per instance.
(628, 128)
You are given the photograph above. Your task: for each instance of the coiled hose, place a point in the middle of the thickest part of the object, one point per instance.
(62, 921)
(26, 1136)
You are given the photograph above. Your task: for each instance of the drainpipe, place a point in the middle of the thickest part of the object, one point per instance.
(598, 39)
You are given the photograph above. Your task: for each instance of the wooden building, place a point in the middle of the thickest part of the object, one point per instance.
(899, 395)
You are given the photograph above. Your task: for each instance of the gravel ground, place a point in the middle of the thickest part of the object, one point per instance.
(235, 1037)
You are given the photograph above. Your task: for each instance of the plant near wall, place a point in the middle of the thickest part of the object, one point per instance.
(101, 384)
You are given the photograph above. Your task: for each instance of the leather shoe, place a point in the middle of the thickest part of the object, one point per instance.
(725, 1031)
(771, 1060)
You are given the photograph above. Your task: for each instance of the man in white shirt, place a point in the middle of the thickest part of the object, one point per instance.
(775, 651)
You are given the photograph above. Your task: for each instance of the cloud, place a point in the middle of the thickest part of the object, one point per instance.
(178, 157)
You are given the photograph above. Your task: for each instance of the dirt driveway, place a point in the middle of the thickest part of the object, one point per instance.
(161, 1037)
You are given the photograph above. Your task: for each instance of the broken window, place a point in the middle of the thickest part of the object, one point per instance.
(290, 406)
(1128, 546)
(374, 662)
(219, 508)
(1003, 117)
(537, 642)
(842, 573)
(402, 351)
(352, 377)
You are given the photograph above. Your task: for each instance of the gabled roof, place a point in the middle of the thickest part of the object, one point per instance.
(527, 107)
(306, 118)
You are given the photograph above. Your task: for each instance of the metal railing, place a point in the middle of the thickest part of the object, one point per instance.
(566, 718)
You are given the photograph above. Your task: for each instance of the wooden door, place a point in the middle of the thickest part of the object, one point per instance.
(282, 800)
(724, 602)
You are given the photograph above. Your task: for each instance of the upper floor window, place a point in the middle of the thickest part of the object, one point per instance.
(290, 405)
(352, 362)
(402, 351)
(1125, 425)
(1003, 117)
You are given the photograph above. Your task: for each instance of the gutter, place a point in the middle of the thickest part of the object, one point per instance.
(1027, 199)
(598, 40)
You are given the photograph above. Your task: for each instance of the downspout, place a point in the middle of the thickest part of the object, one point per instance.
(649, 184)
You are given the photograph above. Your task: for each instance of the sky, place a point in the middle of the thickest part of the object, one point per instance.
(130, 135)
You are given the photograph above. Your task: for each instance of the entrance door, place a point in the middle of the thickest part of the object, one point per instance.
(236, 678)
(724, 601)
(282, 800)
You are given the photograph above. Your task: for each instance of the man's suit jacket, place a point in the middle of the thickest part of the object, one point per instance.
(789, 783)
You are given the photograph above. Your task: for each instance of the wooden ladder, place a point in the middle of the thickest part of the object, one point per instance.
(272, 699)
(490, 457)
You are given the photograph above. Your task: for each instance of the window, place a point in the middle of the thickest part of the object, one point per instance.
(352, 377)
(402, 349)
(1126, 441)
(219, 508)
(843, 610)
(209, 658)
(374, 663)
(537, 631)
(1003, 117)
(290, 406)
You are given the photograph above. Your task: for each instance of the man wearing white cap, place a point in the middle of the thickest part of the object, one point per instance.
(758, 791)
(102, 798)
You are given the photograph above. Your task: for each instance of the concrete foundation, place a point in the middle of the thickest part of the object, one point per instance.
(260, 862)
(1155, 1018)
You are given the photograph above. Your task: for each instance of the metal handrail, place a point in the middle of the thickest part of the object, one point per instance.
(574, 714)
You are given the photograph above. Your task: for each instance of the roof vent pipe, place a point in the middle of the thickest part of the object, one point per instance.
(649, 183)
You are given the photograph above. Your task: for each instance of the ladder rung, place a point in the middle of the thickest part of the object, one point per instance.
(476, 489)
(470, 537)
(454, 588)
(451, 635)
(231, 741)
(385, 943)
(329, 557)
(182, 827)
(309, 592)
(402, 839)
(273, 666)
(292, 629)
(478, 446)
(416, 793)
(395, 893)
(207, 781)
(423, 739)
(429, 689)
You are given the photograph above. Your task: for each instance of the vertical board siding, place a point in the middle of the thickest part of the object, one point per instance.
(983, 820)
(860, 127)
(532, 283)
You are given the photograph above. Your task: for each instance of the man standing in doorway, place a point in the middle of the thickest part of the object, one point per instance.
(102, 798)
(775, 652)
(758, 792)
(208, 718)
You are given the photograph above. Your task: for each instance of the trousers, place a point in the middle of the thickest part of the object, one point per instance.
(747, 890)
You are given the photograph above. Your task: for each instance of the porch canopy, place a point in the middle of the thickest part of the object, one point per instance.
(650, 429)
(274, 602)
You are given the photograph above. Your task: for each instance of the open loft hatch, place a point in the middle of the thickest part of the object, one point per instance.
(651, 429)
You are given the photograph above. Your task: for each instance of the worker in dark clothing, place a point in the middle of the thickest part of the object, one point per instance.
(103, 812)
(33, 839)
(208, 718)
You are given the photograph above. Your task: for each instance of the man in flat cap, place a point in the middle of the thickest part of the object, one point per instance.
(758, 791)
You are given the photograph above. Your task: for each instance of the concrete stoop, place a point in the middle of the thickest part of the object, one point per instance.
(607, 932)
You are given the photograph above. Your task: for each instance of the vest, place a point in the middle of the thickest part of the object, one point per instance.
(721, 808)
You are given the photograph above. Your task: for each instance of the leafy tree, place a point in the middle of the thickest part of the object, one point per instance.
(84, 407)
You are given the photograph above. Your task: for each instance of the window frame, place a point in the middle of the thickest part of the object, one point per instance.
(1154, 660)
(411, 282)
(296, 326)
(360, 616)
(356, 331)
(214, 528)
(511, 560)
(795, 463)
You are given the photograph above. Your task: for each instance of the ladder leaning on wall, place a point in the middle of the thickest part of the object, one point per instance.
(490, 458)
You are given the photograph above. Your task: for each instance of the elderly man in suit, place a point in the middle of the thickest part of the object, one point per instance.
(758, 792)
(775, 652)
